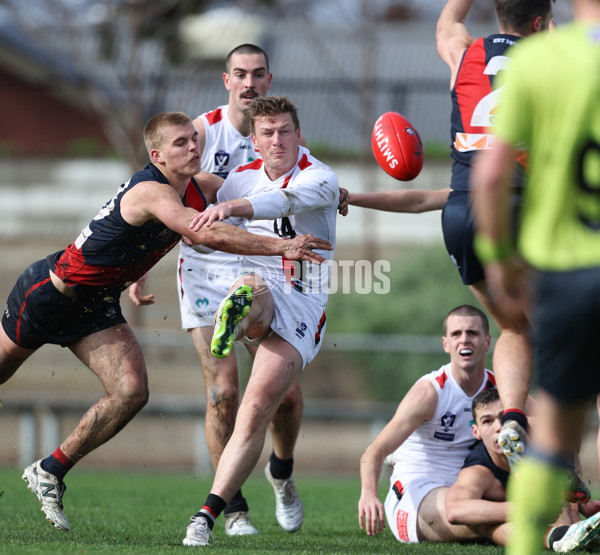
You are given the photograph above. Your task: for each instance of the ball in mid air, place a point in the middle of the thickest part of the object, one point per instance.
(397, 146)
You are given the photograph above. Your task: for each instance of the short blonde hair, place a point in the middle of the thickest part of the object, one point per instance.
(154, 128)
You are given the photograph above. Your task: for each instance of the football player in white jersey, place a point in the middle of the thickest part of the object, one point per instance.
(204, 276)
(278, 306)
(428, 438)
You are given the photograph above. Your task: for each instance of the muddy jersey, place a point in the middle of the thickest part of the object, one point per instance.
(474, 103)
(112, 253)
(438, 447)
(302, 201)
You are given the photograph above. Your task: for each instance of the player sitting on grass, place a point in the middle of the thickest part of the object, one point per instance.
(429, 437)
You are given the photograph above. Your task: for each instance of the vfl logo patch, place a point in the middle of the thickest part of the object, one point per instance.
(446, 432)
(301, 329)
(47, 489)
(221, 159)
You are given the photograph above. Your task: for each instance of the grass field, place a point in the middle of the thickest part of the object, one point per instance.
(138, 512)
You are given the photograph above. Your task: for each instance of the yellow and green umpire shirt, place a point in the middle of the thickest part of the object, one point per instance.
(551, 106)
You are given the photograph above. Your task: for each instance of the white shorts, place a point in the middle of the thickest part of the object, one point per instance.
(202, 282)
(299, 319)
(401, 514)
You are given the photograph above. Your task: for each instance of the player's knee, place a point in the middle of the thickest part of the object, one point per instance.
(224, 400)
(133, 391)
(292, 401)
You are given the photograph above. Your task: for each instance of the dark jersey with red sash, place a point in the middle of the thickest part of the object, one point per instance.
(474, 102)
(112, 253)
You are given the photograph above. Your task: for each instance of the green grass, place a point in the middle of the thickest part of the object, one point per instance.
(139, 512)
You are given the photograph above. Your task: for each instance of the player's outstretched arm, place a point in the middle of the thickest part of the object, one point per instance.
(158, 200)
(228, 238)
(409, 200)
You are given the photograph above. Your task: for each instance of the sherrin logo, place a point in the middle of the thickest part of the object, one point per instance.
(383, 144)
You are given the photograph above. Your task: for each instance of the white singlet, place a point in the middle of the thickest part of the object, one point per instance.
(204, 275)
(433, 454)
(303, 201)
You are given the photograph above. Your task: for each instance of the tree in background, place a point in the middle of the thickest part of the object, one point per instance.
(119, 55)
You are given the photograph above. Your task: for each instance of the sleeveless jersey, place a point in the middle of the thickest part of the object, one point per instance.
(475, 100)
(438, 447)
(109, 252)
(479, 456)
(303, 201)
(225, 148)
(559, 119)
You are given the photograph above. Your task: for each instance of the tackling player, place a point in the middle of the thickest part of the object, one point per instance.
(72, 298)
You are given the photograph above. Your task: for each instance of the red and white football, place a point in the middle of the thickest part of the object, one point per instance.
(397, 146)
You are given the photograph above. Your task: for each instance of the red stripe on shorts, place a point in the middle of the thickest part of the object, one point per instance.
(31, 290)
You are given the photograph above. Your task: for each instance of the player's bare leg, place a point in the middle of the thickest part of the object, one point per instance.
(12, 356)
(222, 399)
(513, 360)
(115, 356)
(276, 366)
(432, 523)
(513, 357)
(222, 393)
(285, 425)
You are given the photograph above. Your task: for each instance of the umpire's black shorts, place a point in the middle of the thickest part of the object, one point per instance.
(566, 318)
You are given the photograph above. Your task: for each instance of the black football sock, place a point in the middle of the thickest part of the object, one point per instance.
(237, 503)
(281, 469)
(57, 464)
(212, 508)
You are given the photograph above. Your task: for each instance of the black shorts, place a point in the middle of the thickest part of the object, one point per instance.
(459, 230)
(566, 316)
(458, 227)
(37, 313)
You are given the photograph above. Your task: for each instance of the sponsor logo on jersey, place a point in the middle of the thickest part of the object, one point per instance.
(202, 303)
